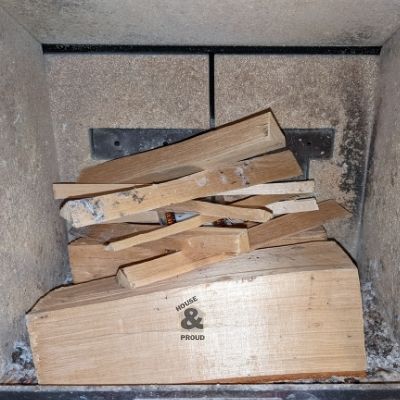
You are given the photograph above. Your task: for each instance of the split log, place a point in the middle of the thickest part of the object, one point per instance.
(202, 247)
(90, 260)
(221, 211)
(164, 267)
(81, 190)
(259, 201)
(301, 187)
(274, 314)
(292, 206)
(103, 233)
(152, 236)
(278, 228)
(240, 140)
(100, 209)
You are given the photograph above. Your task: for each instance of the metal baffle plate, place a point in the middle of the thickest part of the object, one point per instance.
(111, 143)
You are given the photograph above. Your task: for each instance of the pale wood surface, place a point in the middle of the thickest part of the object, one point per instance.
(152, 236)
(273, 312)
(240, 140)
(104, 208)
(164, 267)
(90, 260)
(292, 206)
(260, 201)
(311, 235)
(105, 232)
(300, 187)
(207, 241)
(222, 211)
(145, 217)
(79, 190)
(262, 235)
(197, 251)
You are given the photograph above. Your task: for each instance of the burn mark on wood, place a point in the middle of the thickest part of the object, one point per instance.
(137, 197)
(239, 171)
(94, 207)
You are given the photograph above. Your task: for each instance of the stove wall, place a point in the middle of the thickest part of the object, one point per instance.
(380, 241)
(32, 234)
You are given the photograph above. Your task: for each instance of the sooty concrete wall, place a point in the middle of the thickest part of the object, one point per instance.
(380, 239)
(122, 91)
(311, 92)
(32, 241)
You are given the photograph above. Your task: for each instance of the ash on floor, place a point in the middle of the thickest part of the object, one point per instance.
(383, 352)
(21, 369)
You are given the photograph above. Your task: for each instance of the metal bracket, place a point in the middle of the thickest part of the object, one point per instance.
(110, 143)
(310, 144)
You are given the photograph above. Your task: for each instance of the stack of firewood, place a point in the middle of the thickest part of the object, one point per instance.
(220, 178)
(200, 236)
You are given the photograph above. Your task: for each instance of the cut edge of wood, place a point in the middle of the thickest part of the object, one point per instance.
(288, 377)
(123, 280)
(74, 190)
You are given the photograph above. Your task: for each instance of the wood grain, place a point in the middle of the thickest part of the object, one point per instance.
(262, 235)
(240, 140)
(222, 211)
(292, 206)
(164, 267)
(311, 235)
(105, 208)
(152, 236)
(103, 233)
(260, 201)
(80, 190)
(201, 248)
(301, 187)
(274, 312)
(90, 260)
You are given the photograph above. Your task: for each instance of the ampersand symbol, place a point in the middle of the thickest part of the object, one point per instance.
(191, 321)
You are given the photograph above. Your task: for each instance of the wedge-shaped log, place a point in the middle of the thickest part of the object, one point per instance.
(90, 260)
(301, 187)
(104, 208)
(243, 139)
(222, 211)
(273, 314)
(278, 228)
